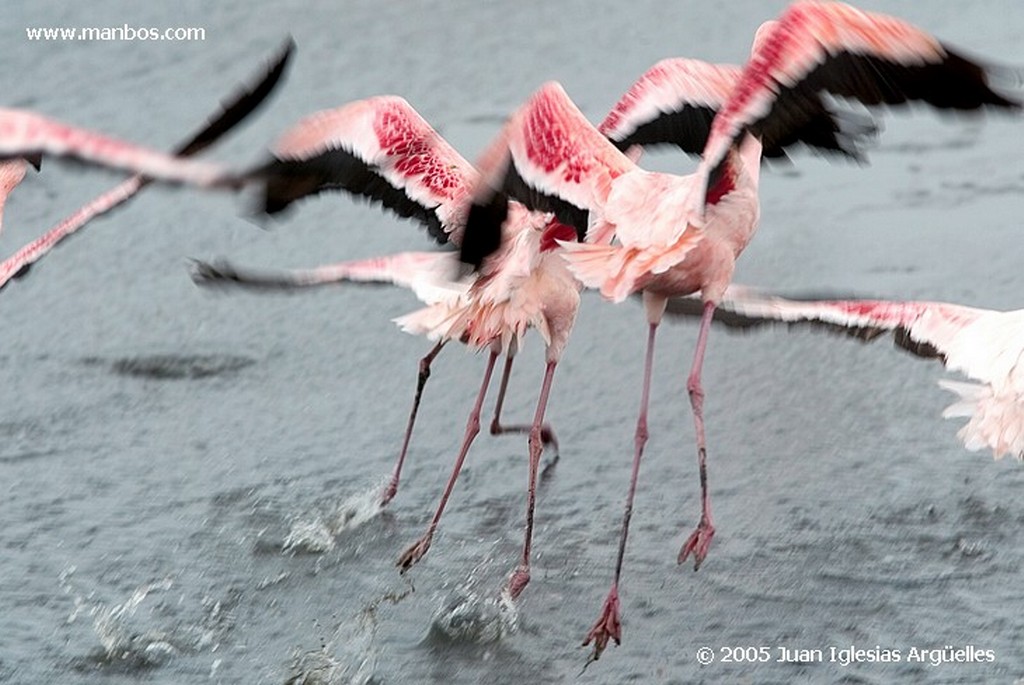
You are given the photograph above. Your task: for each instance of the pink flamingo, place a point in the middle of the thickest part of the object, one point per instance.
(231, 113)
(382, 149)
(680, 235)
(353, 148)
(985, 345)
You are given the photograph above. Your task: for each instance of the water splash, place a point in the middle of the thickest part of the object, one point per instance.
(317, 535)
(470, 617)
(121, 642)
(348, 658)
(147, 630)
(351, 655)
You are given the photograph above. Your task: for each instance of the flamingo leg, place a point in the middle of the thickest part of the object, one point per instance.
(609, 626)
(420, 547)
(700, 540)
(521, 576)
(547, 434)
(421, 382)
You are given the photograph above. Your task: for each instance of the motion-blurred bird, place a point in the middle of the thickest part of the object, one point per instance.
(381, 149)
(680, 235)
(232, 112)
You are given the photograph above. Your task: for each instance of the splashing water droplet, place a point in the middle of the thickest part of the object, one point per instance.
(316, 535)
(466, 616)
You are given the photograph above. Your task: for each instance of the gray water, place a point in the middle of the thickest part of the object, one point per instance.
(187, 479)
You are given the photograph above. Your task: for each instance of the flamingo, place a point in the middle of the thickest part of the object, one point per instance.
(985, 345)
(318, 155)
(681, 235)
(231, 113)
(382, 149)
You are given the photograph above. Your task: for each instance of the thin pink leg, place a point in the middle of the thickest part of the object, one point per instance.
(424, 374)
(547, 434)
(420, 547)
(609, 626)
(700, 540)
(521, 576)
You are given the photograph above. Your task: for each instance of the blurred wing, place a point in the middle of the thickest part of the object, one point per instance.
(833, 47)
(233, 111)
(675, 101)
(380, 149)
(400, 269)
(926, 329)
(987, 346)
(549, 157)
(672, 102)
(25, 134)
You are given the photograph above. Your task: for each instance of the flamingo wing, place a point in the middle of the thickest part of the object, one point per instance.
(676, 100)
(926, 329)
(549, 157)
(240, 105)
(827, 46)
(404, 269)
(984, 345)
(27, 134)
(380, 149)
(233, 111)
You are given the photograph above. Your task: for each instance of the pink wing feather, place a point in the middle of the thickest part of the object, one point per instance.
(549, 155)
(691, 89)
(986, 346)
(676, 100)
(556, 150)
(25, 134)
(405, 269)
(379, 148)
(830, 46)
(232, 111)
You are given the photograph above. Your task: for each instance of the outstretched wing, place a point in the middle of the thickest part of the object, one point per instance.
(675, 102)
(236, 108)
(820, 46)
(233, 111)
(26, 134)
(400, 269)
(380, 149)
(926, 329)
(987, 346)
(549, 157)
(427, 274)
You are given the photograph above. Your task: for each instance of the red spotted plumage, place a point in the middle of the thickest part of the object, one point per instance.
(381, 149)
